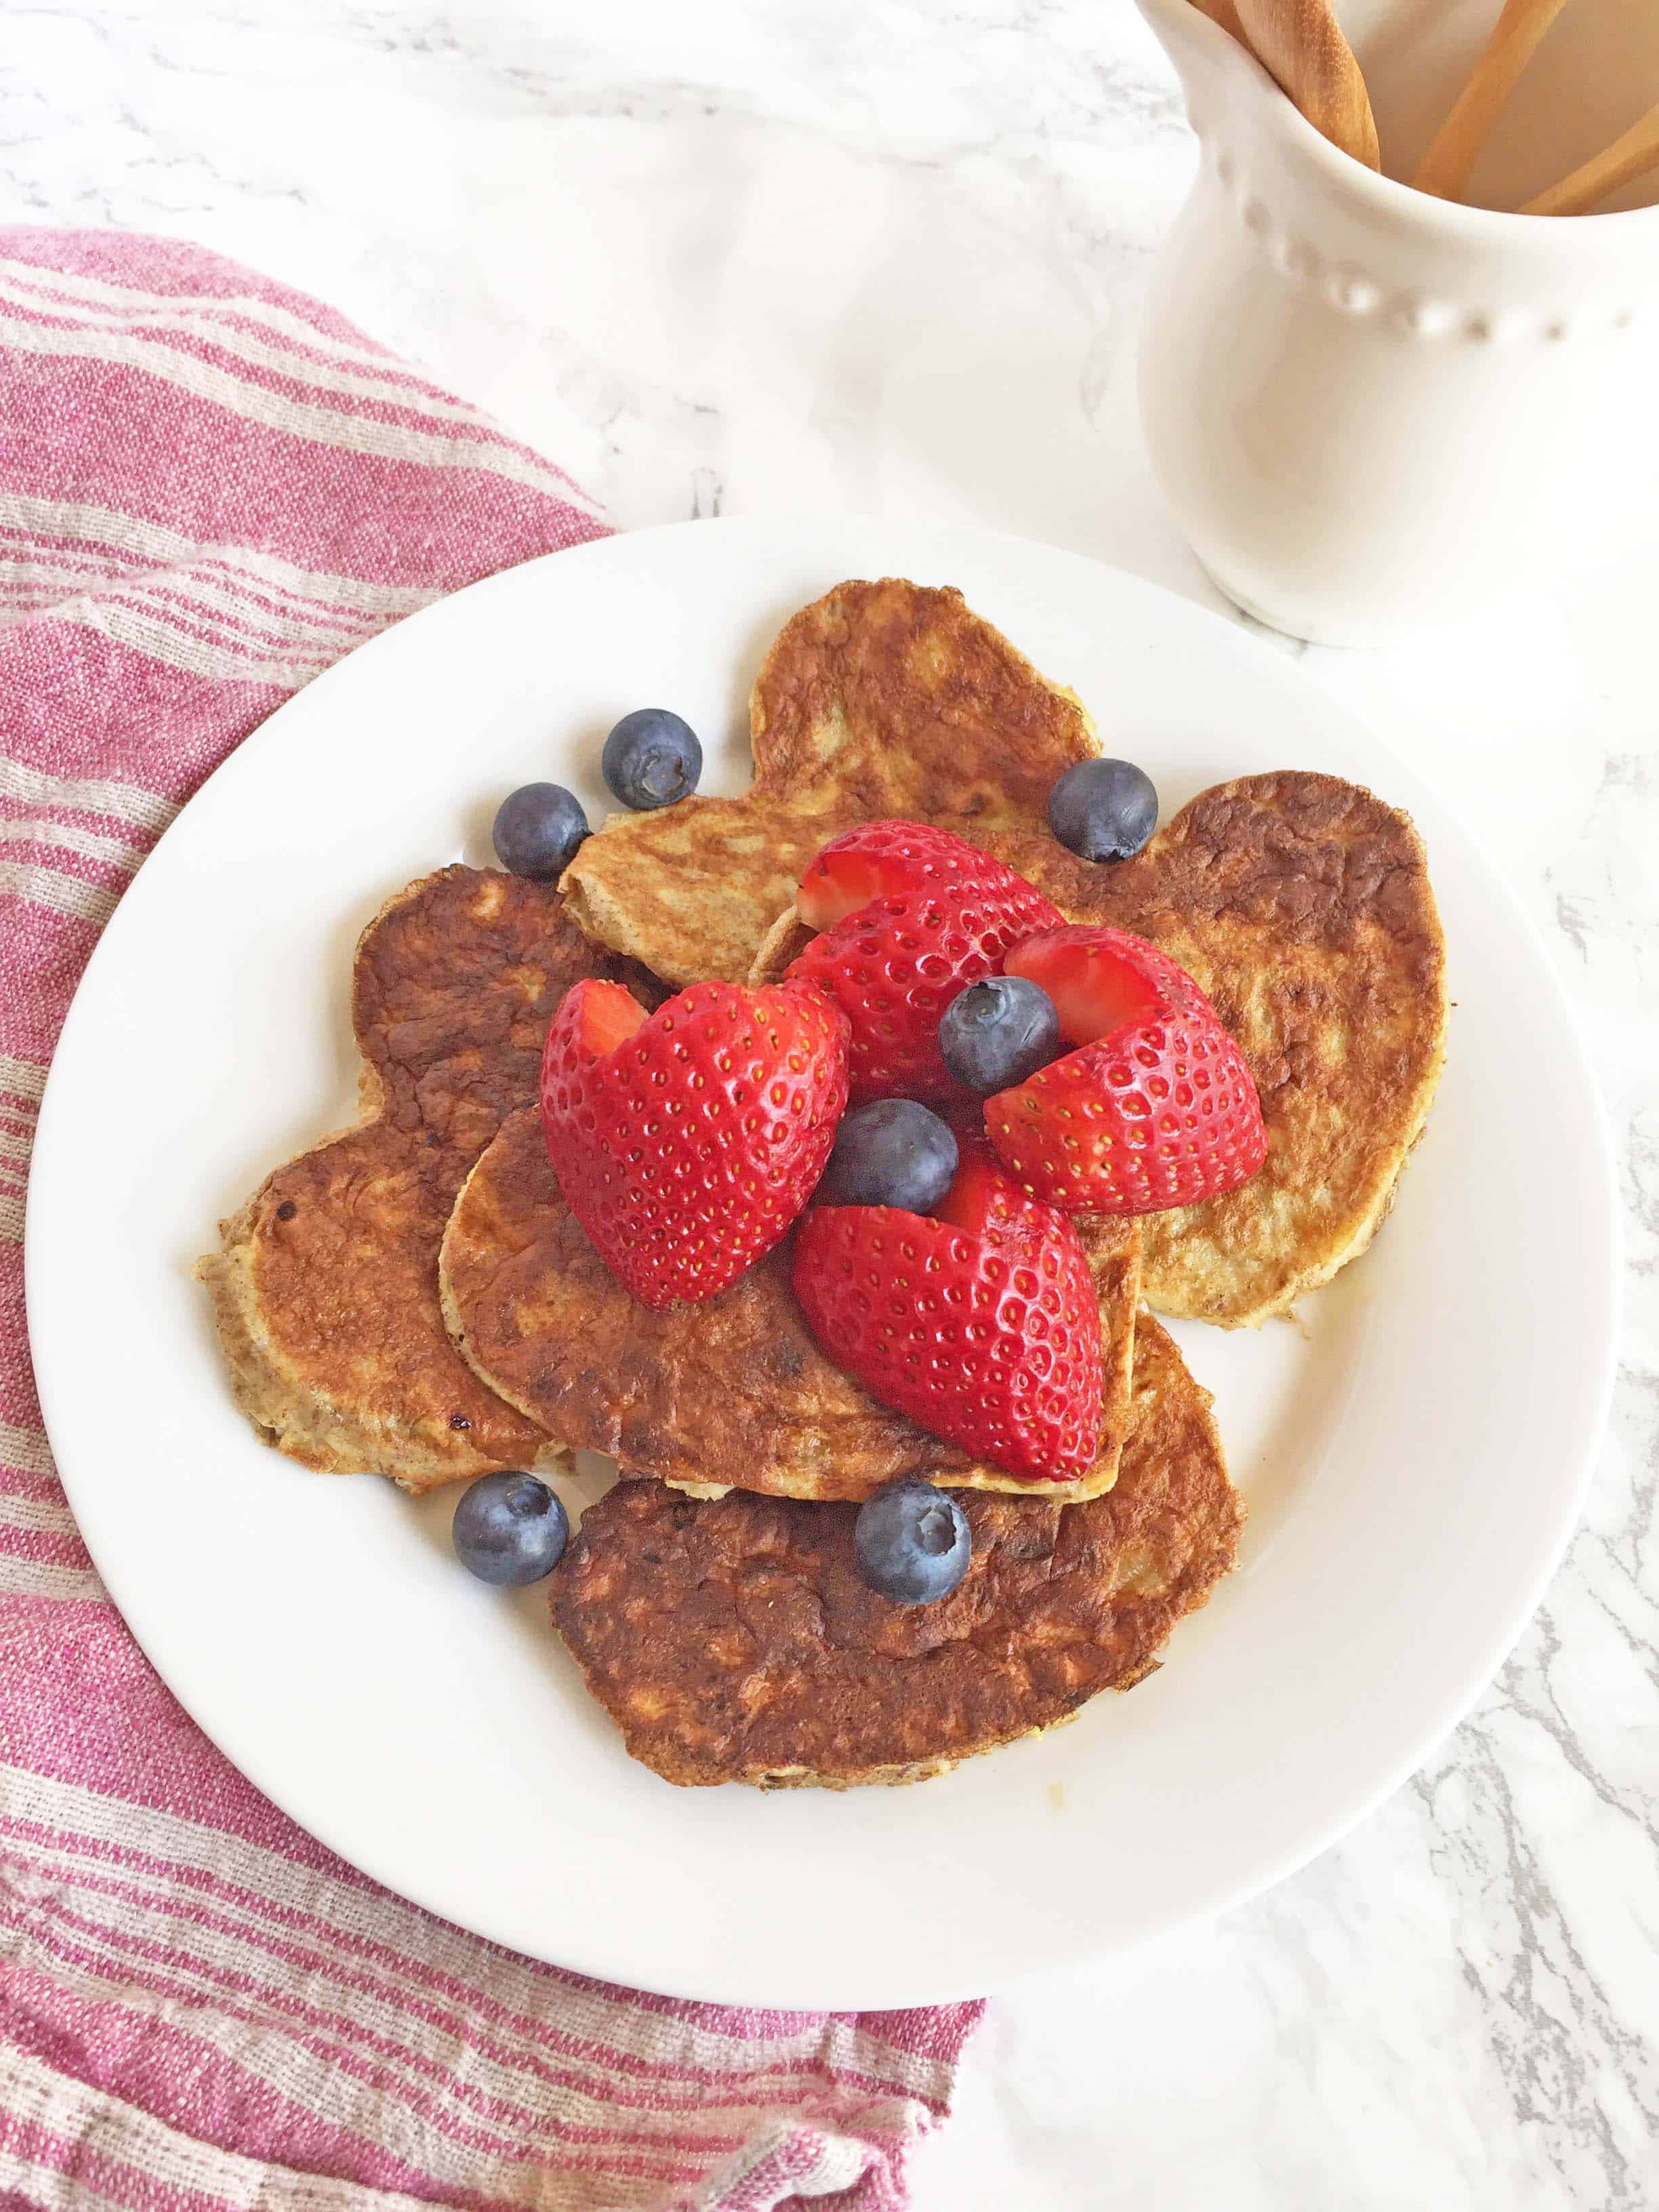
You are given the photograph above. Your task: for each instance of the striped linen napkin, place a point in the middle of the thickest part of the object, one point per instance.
(211, 486)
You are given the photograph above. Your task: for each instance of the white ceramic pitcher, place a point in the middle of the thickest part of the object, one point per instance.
(1373, 409)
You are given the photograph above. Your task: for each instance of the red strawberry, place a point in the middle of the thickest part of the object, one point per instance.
(1157, 1109)
(910, 915)
(981, 1324)
(985, 1199)
(686, 1141)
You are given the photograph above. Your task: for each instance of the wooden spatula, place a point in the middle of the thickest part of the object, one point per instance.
(1300, 43)
(1445, 169)
(1633, 156)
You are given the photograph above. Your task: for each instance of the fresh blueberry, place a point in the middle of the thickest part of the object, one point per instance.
(650, 758)
(1104, 810)
(894, 1152)
(913, 1541)
(997, 1032)
(510, 1528)
(538, 830)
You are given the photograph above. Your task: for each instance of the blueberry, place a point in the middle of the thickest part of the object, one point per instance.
(998, 1032)
(894, 1152)
(913, 1541)
(538, 830)
(1104, 810)
(650, 758)
(510, 1528)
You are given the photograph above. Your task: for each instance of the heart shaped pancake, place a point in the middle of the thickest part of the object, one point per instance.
(1302, 906)
(735, 1641)
(731, 1391)
(325, 1285)
(878, 699)
(1300, 902)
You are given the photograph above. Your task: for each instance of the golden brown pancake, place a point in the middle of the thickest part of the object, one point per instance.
(878, 699)
(1302, 905)
(731, 1391)
(734, 1641)
(325, 1289)
(1300, 902)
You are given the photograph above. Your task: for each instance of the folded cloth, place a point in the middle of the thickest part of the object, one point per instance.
(211, 486)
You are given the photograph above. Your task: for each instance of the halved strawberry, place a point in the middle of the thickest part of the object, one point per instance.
(982, 1323)
(607, 1015)
(910, 915)
(850, 873)
(1155, 1108)
(984, 1201)
(686, 1141)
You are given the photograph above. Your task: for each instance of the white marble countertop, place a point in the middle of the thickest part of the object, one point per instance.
(887, 253)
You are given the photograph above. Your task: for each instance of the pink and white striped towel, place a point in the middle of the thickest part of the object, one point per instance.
(209, 488)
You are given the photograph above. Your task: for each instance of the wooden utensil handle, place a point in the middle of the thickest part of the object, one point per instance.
(1224, 13)
(1300, 45)
(1630, 156)
(1445, 169)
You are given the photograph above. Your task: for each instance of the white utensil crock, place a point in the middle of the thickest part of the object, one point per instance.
(1372, 409)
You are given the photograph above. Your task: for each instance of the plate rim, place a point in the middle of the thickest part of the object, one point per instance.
(1454, 1703)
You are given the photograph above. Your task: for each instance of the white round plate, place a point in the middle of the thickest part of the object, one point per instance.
(1413, 1454)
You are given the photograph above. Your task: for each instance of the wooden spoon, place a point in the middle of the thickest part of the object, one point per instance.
(1628, 157)
(1224, 13)
(1445, 169)
(1300, 43)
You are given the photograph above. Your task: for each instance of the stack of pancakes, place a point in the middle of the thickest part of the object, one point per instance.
(413, 1298)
